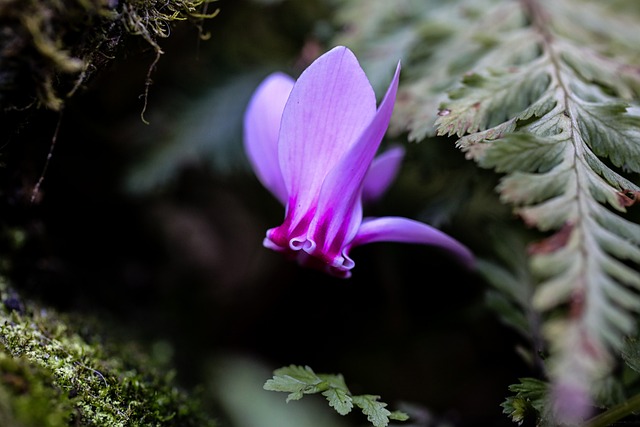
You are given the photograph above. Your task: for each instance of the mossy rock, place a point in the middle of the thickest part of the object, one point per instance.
(50, 48)
(60, 369)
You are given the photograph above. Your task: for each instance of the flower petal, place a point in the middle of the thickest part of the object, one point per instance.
(329, 107)
(381, 174)
(342, 188)
(261, 128)
(398, 229)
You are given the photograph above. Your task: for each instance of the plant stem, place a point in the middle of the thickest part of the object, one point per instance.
(616, 413)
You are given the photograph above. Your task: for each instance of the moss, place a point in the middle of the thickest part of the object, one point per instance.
(50, 48)
(59, 369)
(28, 396)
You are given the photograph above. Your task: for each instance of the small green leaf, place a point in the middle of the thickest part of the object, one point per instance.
(398, 416)
(374, 410)
(296, 380)
(339, 400)
(301, 373)
(605, 127)
(523, 152)
(334, 381)
(485, 101)
(528, 400)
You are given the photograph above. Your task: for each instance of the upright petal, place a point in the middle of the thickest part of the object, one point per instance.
(330, 105)
(261, 128)
(382, 173)
(334, 224)
(398, 229)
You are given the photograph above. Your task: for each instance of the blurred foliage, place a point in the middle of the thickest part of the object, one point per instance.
(207, 132)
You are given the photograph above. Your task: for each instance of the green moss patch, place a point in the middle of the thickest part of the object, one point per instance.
(58, 370)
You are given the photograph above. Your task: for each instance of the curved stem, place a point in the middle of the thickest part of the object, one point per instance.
(616, 413)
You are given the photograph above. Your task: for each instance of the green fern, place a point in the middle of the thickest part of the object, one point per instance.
(550, 140)
(543, 92)
(301, 380)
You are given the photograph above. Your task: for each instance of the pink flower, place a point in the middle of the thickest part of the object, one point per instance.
(312, 143)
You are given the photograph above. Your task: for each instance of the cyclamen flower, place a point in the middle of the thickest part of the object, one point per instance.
(312, 143)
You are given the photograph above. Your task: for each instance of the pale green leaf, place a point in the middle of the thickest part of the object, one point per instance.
(334, 381)
(604, 125)
(618, 78)
(519, 188)
(339, 399)
(398, 416)
(485, 101)
(376, 412)
(552, 213)
(302, 374)
(296, 380)
(523, 152)
(528, 401)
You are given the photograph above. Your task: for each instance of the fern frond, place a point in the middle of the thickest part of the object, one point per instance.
(301, 380)
(544, 92)
(438, 43)
(558, 181)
